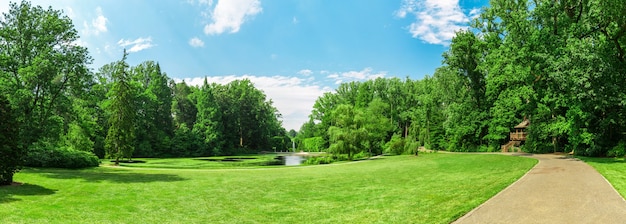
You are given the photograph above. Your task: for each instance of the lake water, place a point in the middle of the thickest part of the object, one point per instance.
(293, 160)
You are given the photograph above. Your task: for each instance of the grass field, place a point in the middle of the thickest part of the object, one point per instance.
(613, 169)
(431, 188)
(215, 162)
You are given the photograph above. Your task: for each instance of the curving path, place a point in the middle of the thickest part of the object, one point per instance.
(558, 189)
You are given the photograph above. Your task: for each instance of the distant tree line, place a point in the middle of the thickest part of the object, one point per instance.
(561, 64)
(53, 106)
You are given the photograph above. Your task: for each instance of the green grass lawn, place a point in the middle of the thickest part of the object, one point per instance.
(613, 169)
(201, 163)
(431, 188)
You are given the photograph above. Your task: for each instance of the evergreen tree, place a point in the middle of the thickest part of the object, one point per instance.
(121, 134)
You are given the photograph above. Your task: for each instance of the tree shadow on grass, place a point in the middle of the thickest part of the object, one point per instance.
(113, 176)
(7, 192)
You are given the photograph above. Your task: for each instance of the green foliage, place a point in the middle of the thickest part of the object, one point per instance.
(11, 156)
(208, 123)
(42, 71)
(120, 138)
(618, 151)
(348, 134)
(82, 129)
(46, 156)
(153, 102)
(317, 160)
(411, 147)
(314, 144)
(184, 109)
(395, 146)
(249, 120)
(559, 65)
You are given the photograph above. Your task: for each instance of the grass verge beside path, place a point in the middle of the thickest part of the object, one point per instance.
(431, 188)
(613, 169)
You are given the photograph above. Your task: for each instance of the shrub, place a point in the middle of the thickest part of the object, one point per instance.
(618, 151)
(360, 156)
(314, 144)
(340, 157)
(395, 146)
(411, 147)
(60, 158)
(315, 160)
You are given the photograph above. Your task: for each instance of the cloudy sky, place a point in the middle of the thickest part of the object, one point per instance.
(293, 50)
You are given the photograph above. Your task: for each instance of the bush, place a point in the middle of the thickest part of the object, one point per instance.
(340, 157)
(60, 158)
(618, 151)
(315, 160)
(411, 147)
(314, 144)
(395, 146)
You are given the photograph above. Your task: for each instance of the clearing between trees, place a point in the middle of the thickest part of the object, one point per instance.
(431, 188)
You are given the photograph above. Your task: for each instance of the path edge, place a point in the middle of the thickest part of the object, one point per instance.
(468, 214)
(608, 182)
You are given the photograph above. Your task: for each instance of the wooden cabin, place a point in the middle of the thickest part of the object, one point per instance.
(520, 131)
(518, 136)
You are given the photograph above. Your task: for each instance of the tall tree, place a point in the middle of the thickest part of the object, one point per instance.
(40, 67)
(249, 120)
(154, 110)
(183, 107)
(120, 138)
(347, 134)
(11, 156)
(208, 124)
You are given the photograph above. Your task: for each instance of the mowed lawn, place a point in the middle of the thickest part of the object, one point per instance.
(613, 169)
(431, 188)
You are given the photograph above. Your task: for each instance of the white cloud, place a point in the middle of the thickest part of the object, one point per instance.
(136, 45)
(229, 15)
(295, 20)
(79, 42)
(98, 25)
(436, 20)
(365, 74)
(4, 8)
(293, 97)
(69, 11)
(475, 13)
(196, 42)
(305, 72)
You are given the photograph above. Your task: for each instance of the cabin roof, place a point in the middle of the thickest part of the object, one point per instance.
(524, 124)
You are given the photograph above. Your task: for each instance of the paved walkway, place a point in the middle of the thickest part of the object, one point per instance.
(557, 190)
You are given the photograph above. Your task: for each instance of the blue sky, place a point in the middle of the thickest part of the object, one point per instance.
(293, 50)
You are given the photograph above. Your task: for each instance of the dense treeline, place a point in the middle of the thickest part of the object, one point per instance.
(561, 64)
(55, 111)
(177, 120)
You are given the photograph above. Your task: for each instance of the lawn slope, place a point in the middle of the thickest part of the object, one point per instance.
(431, 188)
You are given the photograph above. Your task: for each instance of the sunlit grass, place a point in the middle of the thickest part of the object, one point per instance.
(431, 188)
(613, 169)
(215, 162)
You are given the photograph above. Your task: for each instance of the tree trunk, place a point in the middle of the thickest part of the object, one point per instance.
(6, 178)
(406, 129)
